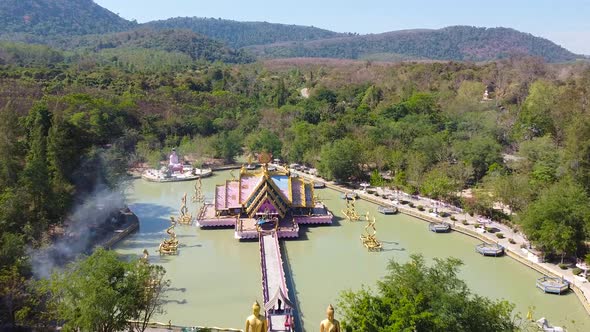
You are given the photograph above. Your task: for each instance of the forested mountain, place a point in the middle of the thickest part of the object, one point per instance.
(198, 47)
(451, 43)
(239, 34)
(27, 19)
(60, 23)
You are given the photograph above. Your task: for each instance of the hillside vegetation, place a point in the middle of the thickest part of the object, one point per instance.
(239, 34)
(452, 43)
(29, 19)
(198, 47)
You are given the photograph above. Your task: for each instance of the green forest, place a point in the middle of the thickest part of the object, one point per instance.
(70, 121)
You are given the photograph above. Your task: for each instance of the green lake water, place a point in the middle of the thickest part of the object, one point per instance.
(215, 278)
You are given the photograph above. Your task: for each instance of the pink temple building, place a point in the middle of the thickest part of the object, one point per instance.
(264, 200)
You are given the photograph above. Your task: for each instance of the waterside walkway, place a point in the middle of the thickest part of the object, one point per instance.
(274, 286)
(580, 286)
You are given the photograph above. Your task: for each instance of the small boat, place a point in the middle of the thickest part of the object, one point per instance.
(251, 167)
(387, 209)
(350, 195)
(488, 249)
(271, 168)
(439, 227)
(319, 185)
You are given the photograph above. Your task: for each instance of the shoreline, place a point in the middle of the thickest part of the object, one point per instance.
(580, 289)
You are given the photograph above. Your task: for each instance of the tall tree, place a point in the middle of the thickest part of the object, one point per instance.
(10, 148)
(341, 160)
(558, 221)
(102, 293)
(35, 176)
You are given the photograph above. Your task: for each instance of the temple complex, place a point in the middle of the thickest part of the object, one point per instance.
(264, 200)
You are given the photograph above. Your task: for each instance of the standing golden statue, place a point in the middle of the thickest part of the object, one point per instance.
(185, 218)
(330, 324)
(256, 322)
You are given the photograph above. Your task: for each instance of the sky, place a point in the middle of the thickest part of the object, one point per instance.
(566, 22)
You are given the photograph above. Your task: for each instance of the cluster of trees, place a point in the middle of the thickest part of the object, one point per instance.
(461, 43)
(96, 293)
(417, 297)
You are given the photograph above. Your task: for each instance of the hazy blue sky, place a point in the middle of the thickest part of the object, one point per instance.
(566, 22)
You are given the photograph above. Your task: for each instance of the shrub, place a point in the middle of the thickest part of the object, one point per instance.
(453, 218)
(411, 204)
(404, 202)
(576, 271)
(476, 225)
(563, 266)
(523, 246)
(465, 222)
(420, 207)
(499, 235)
(489, 229)
(511, 240)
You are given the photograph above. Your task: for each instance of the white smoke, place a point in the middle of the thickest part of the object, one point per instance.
(88, 225)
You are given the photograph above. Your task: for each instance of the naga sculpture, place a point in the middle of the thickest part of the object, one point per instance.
(185, 218)
(198, 196)
(350, 211)
(370, 240)
(169, 246)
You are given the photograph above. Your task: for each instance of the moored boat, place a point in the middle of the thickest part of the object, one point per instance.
(387, 209)
(349, 195)
(319, 185)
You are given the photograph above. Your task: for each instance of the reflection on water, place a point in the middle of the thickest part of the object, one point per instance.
(215, 278)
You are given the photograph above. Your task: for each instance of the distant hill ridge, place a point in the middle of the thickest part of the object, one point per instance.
(62, 23)
(462, 43)
(239, 34)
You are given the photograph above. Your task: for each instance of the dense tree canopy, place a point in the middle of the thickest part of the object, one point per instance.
(417, 297)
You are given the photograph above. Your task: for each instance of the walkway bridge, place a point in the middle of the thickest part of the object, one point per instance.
(277, 305)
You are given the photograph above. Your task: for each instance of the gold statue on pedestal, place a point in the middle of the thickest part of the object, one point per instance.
(169, 246)
(370, 240)
(350, 211)
(256, 322)
(185, 218)
(330, 324)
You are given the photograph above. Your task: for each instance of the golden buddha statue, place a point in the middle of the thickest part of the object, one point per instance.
(330, 324)
(256, 322)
